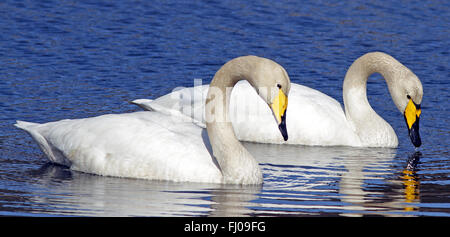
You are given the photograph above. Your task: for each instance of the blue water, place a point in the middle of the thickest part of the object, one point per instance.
(76, 59)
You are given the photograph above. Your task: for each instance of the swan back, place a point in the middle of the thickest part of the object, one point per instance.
(146, 145)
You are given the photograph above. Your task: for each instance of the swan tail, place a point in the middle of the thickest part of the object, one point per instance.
(152, 105)
(52, 153)
(145, 104)
(27, 126)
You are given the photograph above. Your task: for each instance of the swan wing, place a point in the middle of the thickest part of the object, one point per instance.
(146, 145)
(313, 118)
(317, 119)
(186, 104)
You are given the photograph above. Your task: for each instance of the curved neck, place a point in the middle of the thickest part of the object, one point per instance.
(357, 108)
(236, 163)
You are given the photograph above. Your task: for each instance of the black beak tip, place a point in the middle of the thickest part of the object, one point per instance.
(414, 135)
(417, 143)
(415, 139)
(285, 135)
(282, 127)
(283, 132)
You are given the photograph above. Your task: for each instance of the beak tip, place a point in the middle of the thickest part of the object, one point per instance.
(414, 135)
(283, 130)
(416, 141)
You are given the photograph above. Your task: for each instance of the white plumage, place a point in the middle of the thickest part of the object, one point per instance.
(153, 145)
(314, 118)
(146, 145)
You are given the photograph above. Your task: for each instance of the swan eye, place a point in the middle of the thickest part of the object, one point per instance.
(279, 86)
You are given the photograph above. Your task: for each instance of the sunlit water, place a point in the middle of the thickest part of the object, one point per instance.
(64, 59)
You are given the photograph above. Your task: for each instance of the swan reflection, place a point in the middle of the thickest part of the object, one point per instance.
(346, 180)
(411, 181)
(298, 180)
(87, 194)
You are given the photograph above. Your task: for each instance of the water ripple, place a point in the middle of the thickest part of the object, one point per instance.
(65, 59)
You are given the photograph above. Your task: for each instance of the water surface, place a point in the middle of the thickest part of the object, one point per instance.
(75, 59)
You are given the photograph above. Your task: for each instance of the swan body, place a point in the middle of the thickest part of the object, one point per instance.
(128, 145)
(253, 121)
(314, 118)
(153, 145)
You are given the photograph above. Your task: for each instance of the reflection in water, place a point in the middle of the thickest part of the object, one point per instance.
(233, 200)
(411, 181)
(85, 194)
(346, 180)
(62, 62)
(298, 180)
(363, 199)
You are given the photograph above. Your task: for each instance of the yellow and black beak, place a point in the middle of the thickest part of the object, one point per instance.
(279, 107)
(412, 115)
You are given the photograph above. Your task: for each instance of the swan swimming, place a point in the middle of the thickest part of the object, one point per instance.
(153, 145)
(314, 118)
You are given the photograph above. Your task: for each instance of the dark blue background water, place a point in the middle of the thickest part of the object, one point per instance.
(75, 59)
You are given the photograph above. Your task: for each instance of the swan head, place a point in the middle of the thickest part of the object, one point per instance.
(407, 93)
(273, 84)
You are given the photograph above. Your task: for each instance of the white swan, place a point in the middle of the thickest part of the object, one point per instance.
(153, 145)
(315, 118)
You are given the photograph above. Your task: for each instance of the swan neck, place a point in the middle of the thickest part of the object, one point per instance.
(366, 122)
(236, 163)
(355, 82)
